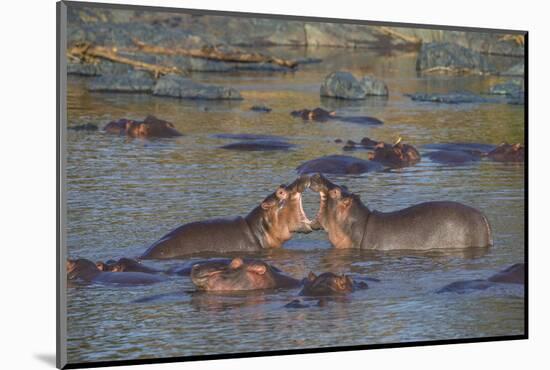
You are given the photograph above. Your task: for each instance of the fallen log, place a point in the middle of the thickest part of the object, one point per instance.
(214, 53)
(92, 54)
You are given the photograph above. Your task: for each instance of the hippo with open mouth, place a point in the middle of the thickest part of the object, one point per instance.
(431, 225)
(84, 270)
(239, 275)
(269, 225)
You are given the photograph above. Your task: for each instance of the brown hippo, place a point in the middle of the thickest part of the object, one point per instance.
(329, 283)
(269, 225)
(150, 127)
(239, 275)
(395, 156)
(339, 164)
(508, 153)
(125, 265)
(86, 271)
(432, 225)
(317, 114)
(514, 274)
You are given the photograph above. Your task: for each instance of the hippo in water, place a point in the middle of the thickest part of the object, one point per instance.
(269, 225)
(508, 153)
(339, 164)
(514, 274)
(239, 275)
(329, 283)
(397, 155)
(317, 114)
(150, 127)
(86, 271)
(432, 225)
(321, 115)
(125, 265)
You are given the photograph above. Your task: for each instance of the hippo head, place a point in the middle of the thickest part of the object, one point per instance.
(233, 276)
(327, 284)
(340, 212)
(80, 268)
(281, 214)
(396, 155)
(105, 266)
(508, 153)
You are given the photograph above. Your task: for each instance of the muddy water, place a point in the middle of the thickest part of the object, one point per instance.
(124, 194)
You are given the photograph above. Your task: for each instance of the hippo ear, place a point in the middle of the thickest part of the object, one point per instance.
(379, 144)
(335, 193)
(311, 276)
(257, 268)
(370, 156)
(346, 202)
(236, 263)
(269, 203)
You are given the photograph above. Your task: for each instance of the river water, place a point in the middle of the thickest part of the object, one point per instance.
(123, 194)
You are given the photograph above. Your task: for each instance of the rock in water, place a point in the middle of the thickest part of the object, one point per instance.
(185, 88)
(342, 85)
(510, 88)
(133, 81)
(372, 86)
(453, 58)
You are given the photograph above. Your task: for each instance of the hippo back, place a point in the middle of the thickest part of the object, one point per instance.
(216, 235)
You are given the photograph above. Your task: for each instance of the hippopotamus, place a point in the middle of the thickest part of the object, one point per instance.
(339, 164)
(508, 153)
(260, 108)
(125, 265)
(268, 225)
(321, 115)
(239, 275)
(317, 114)
(329, 283)
(84, 127)
(431, 225)
(453, 157)
(365, 143)
(466, 153)
(85, 270)
(397, 155)
(258, 145)
(514, 274)
(150, 127)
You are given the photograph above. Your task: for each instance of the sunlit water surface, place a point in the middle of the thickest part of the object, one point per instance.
(123, 194)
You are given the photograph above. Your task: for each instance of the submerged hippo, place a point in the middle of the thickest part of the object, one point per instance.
(365, 143)
(339, 164)
(395, 156)
(269, 225)
(514, 274)
(258, 145)
(85, 270)
(150, 127)
(432, 225)
(125, 265)
(508, 153)
(239, 275)
(317, 114)
(329, 283)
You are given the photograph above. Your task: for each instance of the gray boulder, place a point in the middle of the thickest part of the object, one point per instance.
(343, 85)
(453, 58)
(185, 88)
(133, 81)
(372, 86)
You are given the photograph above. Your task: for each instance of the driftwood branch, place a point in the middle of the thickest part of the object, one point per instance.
(92, 54)
(213, 53)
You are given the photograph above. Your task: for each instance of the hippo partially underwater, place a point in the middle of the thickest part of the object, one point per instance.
(239, 275)
(150, 127)
(431, 225)
(269, 225)
(84, 270)
(514, 274)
